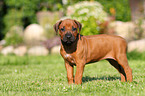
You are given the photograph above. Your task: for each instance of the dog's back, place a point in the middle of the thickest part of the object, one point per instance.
(104, 46)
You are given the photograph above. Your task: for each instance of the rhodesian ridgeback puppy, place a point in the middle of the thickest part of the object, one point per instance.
(80, 50)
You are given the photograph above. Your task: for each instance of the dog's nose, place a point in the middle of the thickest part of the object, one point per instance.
(68, 35)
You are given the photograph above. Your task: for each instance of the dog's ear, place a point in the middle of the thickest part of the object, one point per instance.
(56, 26)
(79, 25)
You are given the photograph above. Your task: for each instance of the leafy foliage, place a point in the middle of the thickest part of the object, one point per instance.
(19, 11)
(121, 7)
(23, 13)
(14, 36)
(88, 13)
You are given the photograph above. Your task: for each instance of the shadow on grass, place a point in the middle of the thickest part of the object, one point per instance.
(87, 78)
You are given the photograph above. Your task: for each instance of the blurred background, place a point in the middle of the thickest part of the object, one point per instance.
(26, 26)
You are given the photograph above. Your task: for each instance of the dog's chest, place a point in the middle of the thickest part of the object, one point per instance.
(69, 58)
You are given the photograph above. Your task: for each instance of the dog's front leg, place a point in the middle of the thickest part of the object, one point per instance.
(79, 73)
(69, 69)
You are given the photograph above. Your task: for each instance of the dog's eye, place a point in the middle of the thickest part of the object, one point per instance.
(74, 29)
(62, 29)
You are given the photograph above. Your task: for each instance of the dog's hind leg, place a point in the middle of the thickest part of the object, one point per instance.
(122, 60)
(119, 68)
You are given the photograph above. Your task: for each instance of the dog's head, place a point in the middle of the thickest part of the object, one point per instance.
(68, 30)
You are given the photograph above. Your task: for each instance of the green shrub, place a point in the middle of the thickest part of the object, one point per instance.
(14, 36)
(12, 18)
(18, 11)
(122, 8)
(88, 13)
(21, 13)
(13, 40)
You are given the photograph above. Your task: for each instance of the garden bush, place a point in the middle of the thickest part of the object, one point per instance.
(23, 12)
(14, 36)
(122, 8)
(88, 13)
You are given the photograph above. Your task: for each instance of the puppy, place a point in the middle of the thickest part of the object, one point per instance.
(80, 50)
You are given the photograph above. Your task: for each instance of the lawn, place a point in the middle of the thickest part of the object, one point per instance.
(46, 75)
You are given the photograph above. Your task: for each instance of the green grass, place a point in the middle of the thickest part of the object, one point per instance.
(46, 75)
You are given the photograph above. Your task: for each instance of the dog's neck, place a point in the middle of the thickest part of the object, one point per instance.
(72, 47)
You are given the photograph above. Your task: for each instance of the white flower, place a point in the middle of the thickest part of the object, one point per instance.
(92, 9)
(85, 10)
(64, 2)
(63, 18)
(15, 70)
(70, 10)
(85, 18)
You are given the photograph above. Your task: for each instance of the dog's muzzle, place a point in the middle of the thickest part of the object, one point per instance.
(68, 38)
